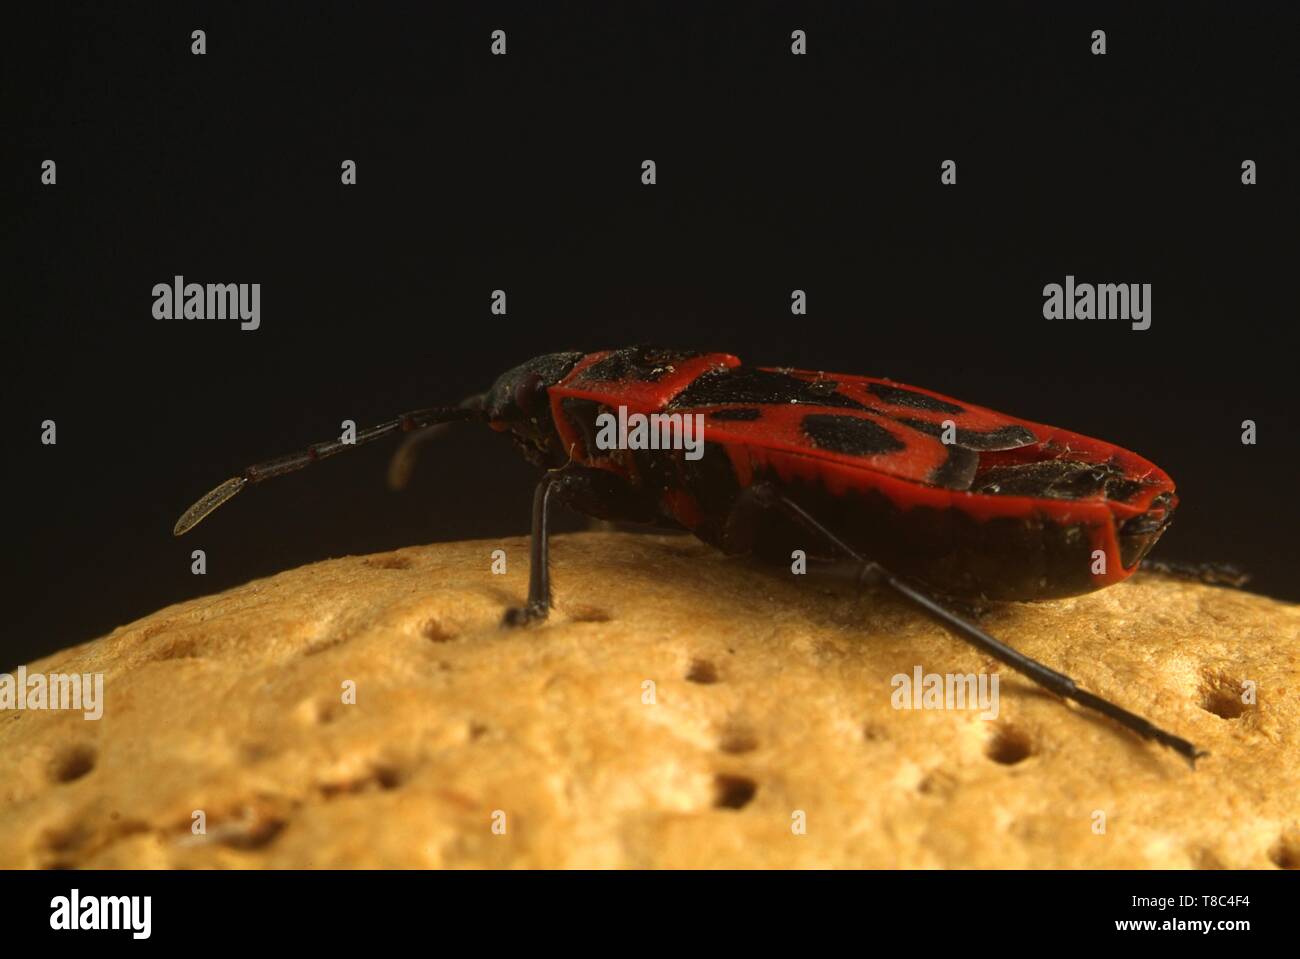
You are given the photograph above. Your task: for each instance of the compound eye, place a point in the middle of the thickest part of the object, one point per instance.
(529, 393)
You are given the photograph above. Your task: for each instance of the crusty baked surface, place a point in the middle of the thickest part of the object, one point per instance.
(681, 709)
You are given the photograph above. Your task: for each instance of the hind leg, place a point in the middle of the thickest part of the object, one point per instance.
(764, 496)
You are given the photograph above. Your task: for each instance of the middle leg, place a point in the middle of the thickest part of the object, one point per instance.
(595, 492)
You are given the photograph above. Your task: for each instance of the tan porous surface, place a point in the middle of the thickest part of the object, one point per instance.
(771, 709)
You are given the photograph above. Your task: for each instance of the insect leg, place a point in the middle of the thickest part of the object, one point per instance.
(1046, 677)
(595, 492)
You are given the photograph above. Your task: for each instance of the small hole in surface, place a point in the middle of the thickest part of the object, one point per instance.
(435, 632)
(1205, 859)
(73, 763)
(738, 739)
(587, 614)
(181, 648)
(250, 752)
(1222, 697)
(1286, 853)
(325, 712)
(1009, 746)
(388, 562)
(702, 671)
(384, 775)
(66, 838)
(388, 777)
(873, 733)
(733, 792)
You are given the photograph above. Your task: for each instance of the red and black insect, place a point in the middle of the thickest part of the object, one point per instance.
(936, 498)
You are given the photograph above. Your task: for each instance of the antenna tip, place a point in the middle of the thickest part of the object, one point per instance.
(207, 503)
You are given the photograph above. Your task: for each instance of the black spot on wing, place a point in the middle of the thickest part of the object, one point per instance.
(747, 384)
(641, 363)
(1124, 489)
(739, 413)
(852, 435)
(822, 388)
(1059, 479)
(958, 470)
(898, 396)
(1004, 438)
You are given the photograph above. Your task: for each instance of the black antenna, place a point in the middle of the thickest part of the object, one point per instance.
(407, 422)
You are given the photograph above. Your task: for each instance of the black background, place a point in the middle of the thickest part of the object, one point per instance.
(522, 172)
(245, 907)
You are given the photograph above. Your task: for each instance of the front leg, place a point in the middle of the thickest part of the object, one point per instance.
(596, 492)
